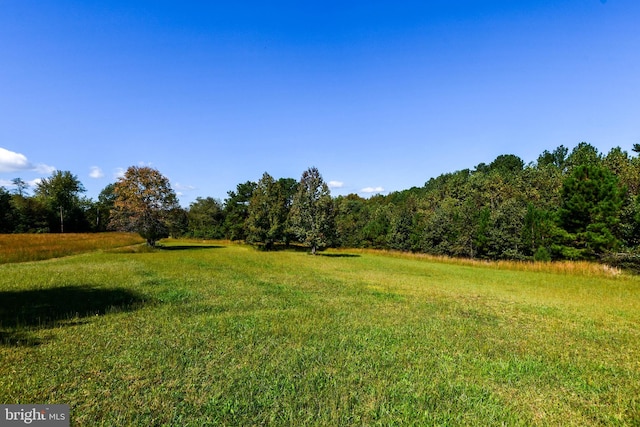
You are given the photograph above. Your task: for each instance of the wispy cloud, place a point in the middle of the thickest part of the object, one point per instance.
(30, 184)
(335, 184)
(34, 182)
(10, 161)
(119, 173)
(372, 190)
(96, 172)
(181, 187)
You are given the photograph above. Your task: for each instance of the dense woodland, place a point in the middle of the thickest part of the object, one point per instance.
(568, 204)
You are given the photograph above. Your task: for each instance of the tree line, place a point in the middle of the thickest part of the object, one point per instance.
(568, 204)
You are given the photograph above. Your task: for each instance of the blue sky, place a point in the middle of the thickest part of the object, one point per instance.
(379, 95)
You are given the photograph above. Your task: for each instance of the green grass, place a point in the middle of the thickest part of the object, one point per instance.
(227, 335)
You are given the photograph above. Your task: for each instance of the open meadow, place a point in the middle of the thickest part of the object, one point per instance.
(212, 333)
(36, 247)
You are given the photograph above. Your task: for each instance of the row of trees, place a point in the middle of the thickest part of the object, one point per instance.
(569, 204)
(576, 204)
(56, 205)
(265, 213)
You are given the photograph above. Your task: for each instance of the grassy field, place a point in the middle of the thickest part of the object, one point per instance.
(36, 247)
(220, 334)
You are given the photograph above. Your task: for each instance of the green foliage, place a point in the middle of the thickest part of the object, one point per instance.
(206, 219)
(401, 234)
(503, 209)
(30, 215)
(376, 229)
(7, 212)
(583, 154)
(268, 212)
(542, 254)
(590, 209)
(177, 222)
(236, 210)
(505, 232)
(102, 208)
(538, 230)
(60, 194)
(557, 158)
(21, 186)
(507, 164)
(312, 212)
(352, 215)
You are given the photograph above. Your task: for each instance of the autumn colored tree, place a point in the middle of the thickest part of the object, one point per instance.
(144, 203)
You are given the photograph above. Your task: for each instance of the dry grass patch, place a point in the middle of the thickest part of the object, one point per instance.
(37, 247)
(584, 268)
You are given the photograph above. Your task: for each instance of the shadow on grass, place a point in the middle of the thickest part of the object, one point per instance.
(187, 247)
(24, 312)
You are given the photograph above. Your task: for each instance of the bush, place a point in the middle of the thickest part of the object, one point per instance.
(542, 254)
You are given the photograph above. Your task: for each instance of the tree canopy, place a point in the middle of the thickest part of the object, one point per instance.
(61, 194)
(144, 203)
(312, 212)
(569, 204)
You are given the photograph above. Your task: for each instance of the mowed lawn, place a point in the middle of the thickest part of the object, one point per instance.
(221, 334)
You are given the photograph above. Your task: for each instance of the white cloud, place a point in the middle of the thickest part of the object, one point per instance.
(43, 169)
(96, 172)
(335, 184)
(119, 173)
(372, 190)
(11, 161)
(30, 184)
(180, 187)
(34, 182)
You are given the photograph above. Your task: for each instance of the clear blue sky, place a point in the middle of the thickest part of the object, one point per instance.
(379, 95)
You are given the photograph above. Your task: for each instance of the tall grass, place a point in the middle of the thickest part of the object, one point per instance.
(223, 334)
(586, 268)
(36, 247)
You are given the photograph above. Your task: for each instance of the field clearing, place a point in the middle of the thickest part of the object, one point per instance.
(221, 334)
(36, 247)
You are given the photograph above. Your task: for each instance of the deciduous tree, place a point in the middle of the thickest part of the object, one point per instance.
(144, 202)
(312, 212)
(206, 218)
(60, 192)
